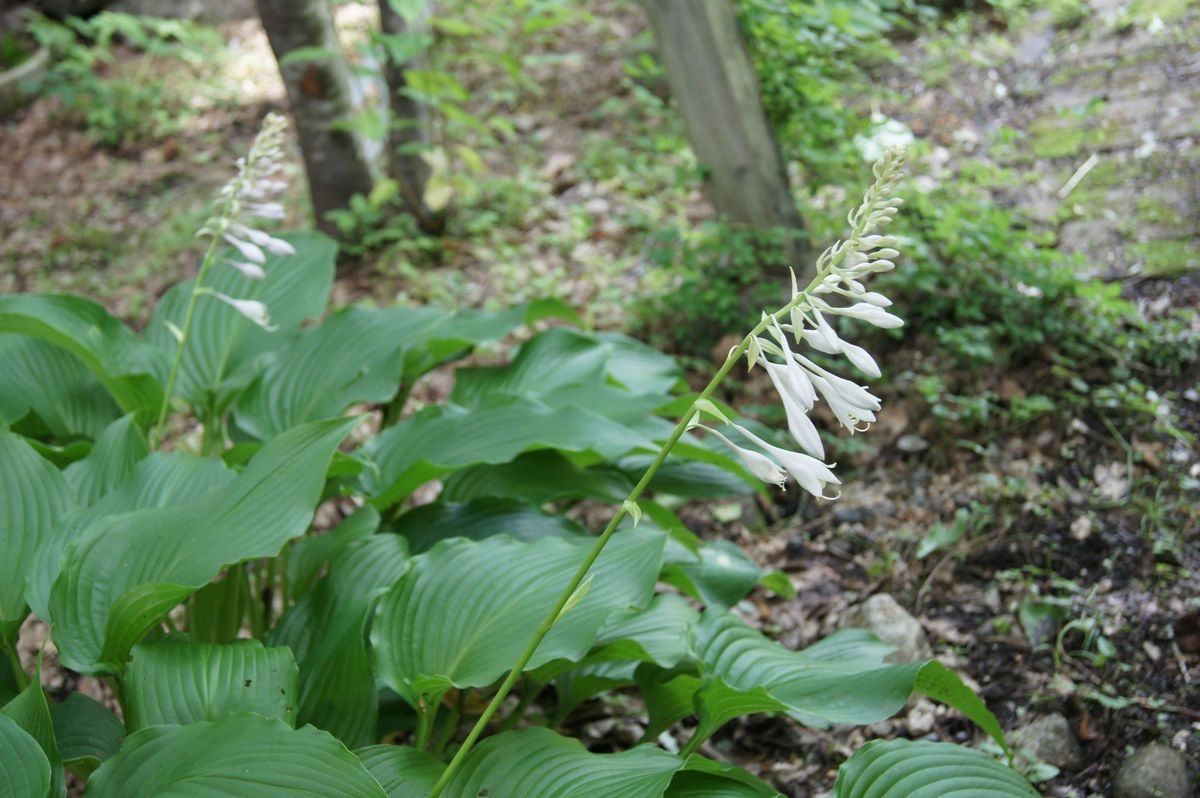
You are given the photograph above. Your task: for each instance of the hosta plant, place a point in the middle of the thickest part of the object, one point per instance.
(157, 504)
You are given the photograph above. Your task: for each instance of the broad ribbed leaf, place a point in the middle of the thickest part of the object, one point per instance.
(842, 679)
(24, 769)
(244, 755)
(224, 349)
(34, 497)
(577, 685)
(720, 576)
(126, 366)
(118, 450)
(448, 438)
(537, 478)
(115, 584)
(178, 682)
(54, 386)
(550, 361)
(160, 480)
(704, 778)
(309, 555)
(86, 731)
(360, 354)
(655, 634)
(465, 609)
(537, 763)
(30, 711)
(326, 630)
(690, 480)
(908, 769)
(428, 524)
(403, 772)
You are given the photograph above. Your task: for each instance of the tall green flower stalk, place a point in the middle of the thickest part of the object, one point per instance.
(836, 290)
(247, 196)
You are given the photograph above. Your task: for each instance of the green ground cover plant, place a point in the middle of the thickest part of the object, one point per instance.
(157, 513)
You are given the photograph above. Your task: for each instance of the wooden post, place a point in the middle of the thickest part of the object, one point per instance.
(714, 84)
(319, 93)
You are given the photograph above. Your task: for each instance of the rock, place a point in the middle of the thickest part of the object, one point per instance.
(893, 624)
(1050, 739)
(1153, 771)
(912, 444)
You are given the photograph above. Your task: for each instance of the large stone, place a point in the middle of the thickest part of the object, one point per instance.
(893, 624)
(1051, 739)
(1153, 771)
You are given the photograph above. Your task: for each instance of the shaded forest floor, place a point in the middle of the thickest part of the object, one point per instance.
(1054, 561)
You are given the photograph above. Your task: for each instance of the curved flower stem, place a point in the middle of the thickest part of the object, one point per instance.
(544, 627)
(160, 426)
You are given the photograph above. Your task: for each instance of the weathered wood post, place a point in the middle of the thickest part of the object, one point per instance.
(713, 82)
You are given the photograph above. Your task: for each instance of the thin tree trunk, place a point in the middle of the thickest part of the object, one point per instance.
(319, 93)
(410, 132)
(714, 84)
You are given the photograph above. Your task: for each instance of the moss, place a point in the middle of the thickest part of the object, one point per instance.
(1050, 138)
(1154, 211)
(1166, 10)
(1166, 258)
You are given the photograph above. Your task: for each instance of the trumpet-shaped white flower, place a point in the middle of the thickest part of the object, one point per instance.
(757, 463)
(252, 309)
(810, 473)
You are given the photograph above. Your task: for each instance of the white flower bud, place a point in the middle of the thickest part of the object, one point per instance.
(810, 473)
(251, 271)
(252, 309)
(756, 463)
(249, 251)
(872, 314)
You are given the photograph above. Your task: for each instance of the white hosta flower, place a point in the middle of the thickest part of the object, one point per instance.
(252, 309)
(810, 473)
(249, 251)
(276, 246)
(756, 463)
(251, 271)
(872, 314)
(266, 210)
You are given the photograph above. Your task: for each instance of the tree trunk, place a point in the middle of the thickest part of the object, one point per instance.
(714, 84)
(319, 93)
(410, 132)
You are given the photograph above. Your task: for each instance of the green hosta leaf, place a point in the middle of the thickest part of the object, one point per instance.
(118, 450)
(224, 349)
(403, 772)
(310, 554)
(178, 682)
(577, 685)
(721, 576)
(34, 497)
(54, 385)
(24, 768)
(116, 583)
(704, 778)
(159, 480)
(30, 711)
(907, 769)
(464, 610)
(424, 526)
(537, 763)
(551, 360)
(691, 480)
(128, 368)
(668, 696)
(448, 438)
(244, 755)
(537, 478)
(327, 631)
(86, 731)
(842, 679)
(361, 355)
(639, 367)
(655, 634)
